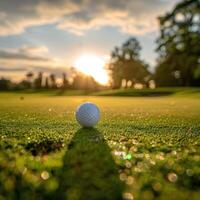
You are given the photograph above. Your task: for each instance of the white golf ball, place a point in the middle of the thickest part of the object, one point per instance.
(87, 114)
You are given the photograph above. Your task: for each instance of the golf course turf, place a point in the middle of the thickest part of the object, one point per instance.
(142, 148)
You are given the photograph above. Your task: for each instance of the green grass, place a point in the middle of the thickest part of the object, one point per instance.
(146, 92)
(144, 147)
(151, 92)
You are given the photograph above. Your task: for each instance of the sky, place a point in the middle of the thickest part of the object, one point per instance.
(51, 36)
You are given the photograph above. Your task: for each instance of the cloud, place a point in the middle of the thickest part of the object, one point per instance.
(34, 50)
(17, 74)
(12, 69)
(14, 63)
(27, 58)
(78, 16)
(20, 54)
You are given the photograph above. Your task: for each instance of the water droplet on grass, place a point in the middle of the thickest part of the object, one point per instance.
(45, 175)
(127, 196)
(172, 177)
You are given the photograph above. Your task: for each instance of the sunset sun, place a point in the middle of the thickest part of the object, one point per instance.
(94, 66)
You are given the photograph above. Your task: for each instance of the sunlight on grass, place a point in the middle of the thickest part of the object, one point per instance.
(149, 145)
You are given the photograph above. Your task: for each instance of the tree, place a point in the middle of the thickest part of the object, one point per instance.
(84, 82)
(53, 81)
(179, 46)
(46, 83)
(65, 82)
(29, 77)
(5, 84)
(126, 64)
(38, 81)
(23, 85)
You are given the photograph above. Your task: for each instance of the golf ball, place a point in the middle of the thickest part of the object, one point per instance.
(87, 114)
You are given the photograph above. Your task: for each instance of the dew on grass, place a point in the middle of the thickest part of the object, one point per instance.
(174, 152)
(172, 177)
(127, 196)
(143, 139)
(44, 175)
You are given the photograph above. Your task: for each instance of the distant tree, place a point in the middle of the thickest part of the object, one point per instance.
(126, 64)
(65, 82)
(29, 77)
(84, 82)
(38, 81)
(90, 84)
(179, 46)
(5, 84)
(22, 85)
(52, 78)
(46, 83)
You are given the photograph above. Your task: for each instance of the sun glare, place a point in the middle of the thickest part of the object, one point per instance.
(94, 66)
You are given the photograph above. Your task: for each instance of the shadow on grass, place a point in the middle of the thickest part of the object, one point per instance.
(89, 171)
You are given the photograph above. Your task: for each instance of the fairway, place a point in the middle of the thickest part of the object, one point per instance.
(142, 148)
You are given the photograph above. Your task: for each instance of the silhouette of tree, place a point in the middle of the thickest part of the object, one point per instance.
(126, 64)
(5, 84)
(84, 82)
(65, 83)
(23, 85)
(46, 83)
(179, 46)
(38, 81)
(53, 81)
(29, 77)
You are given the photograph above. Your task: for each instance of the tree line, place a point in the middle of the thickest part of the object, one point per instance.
(178, 47)
(77, 81)
(178, 63)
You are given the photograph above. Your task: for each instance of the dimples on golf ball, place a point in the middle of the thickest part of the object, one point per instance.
(87, 114)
